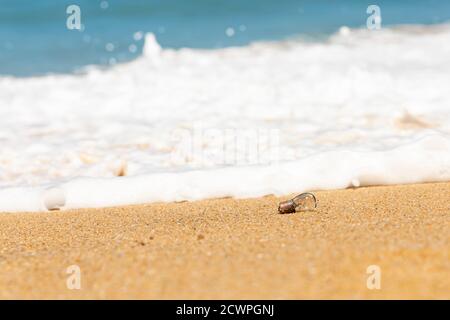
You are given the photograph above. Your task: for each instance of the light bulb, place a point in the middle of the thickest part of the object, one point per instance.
(303, 202)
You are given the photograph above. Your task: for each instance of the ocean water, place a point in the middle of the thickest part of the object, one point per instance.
(34, 39)
(185, 100)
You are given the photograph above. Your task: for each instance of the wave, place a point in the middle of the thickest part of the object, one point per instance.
(361, 108)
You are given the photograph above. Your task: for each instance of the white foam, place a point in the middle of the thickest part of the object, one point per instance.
(336, 109)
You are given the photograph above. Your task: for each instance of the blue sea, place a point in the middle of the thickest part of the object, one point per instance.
(34, 39)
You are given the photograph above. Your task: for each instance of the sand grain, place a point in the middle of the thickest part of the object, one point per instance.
(229, 248)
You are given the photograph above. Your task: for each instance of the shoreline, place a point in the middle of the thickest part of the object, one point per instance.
(350, 169)
(236, 249)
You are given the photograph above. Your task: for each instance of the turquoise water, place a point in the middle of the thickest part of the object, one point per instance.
(34, 39)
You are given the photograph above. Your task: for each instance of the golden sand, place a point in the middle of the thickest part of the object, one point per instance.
(238, 249)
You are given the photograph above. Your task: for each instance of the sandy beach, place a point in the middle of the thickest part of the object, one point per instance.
(236, 249)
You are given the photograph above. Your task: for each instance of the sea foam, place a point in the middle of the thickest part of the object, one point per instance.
(360, 108)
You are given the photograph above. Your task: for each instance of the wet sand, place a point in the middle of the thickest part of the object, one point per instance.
(237, 249)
